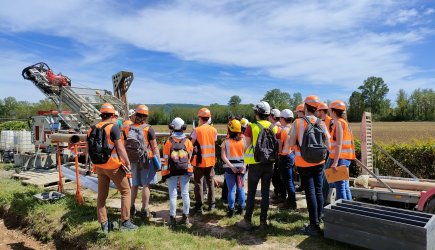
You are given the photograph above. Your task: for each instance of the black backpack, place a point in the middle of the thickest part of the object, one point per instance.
(266, 149)
(313, 147)
(178, 156)
(98, 145)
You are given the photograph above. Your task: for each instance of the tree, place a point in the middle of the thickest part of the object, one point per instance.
(296, 100)
(402, 104)
(356, 107)
(234, 100)
(373, 92)
(277, 99)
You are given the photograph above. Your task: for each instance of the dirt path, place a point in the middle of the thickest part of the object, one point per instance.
(15, 239)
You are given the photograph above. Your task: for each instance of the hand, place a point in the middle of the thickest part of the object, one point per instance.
(242, 170)
(234, 170)
(334, 166)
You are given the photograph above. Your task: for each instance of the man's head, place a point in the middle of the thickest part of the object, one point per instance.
(204, 115)
(262, 110)
(141, 114)
(275, 114)
(107, 111)
(286, 117)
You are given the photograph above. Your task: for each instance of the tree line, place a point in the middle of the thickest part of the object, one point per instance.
(418, 105)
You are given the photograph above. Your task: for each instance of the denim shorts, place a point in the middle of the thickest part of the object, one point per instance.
(143, 176)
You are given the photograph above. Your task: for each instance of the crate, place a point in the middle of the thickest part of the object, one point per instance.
(379, 227)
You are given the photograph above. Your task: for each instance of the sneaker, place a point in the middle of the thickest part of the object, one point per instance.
(145, 213)
(211, 207)
(172, 222)
(185, 220)
(244, 224)
(263, 226)
(230, 213)
(132, 211)
(197, 210)
(310, 230)
(105, 227)
(240, 211)
(128, 226)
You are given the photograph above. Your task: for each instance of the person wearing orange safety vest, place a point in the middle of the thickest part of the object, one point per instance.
(322, 113)
(286, 161)
(311, 173)
(233, 149)
(115, 170)
(177, 152)
(300, 110)
(204, 158)
(342, 149)
(257, 171)
(127, 123)
(143, 172)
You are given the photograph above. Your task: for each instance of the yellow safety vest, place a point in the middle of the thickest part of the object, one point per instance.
(249, 153)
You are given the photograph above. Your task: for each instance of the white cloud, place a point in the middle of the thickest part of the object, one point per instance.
(338, 43)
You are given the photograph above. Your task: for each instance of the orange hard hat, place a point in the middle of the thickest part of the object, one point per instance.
(142, 109)
(323, 106)
(204, 112)
(300, 108)
(107, 108)
(312, 101)
(338, 105)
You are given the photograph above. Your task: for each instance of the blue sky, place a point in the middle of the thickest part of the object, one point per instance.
(202, 52)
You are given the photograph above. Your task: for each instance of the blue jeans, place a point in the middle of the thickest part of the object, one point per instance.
(312, 181)
(172, 188)
(231, 180)
(342, 187)
(286, 173)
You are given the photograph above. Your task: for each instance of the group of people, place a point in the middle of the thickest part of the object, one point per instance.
(267, 150)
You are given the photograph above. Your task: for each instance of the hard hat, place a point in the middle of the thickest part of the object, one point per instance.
(116, 113)
(338, 105)
(322, 106)
(262, 108)
(235, 126)
(300, 108)
(107, 108)
(130, 112)
(276, 113)
(204, 112)
(287, 113)
(312, 101)
(142, 109)
(244, 122)
(177, 124)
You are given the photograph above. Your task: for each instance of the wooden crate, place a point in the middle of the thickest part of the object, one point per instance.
(379, 227)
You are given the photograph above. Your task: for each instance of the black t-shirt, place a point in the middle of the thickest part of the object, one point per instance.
(151, 134)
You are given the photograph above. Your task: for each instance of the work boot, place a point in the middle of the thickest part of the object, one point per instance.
(240, 210)
(244, 224)
(211, 207)
(288, 206)
(145, 213)
(230, 213)
(185, 220)
(197, 210)
(105, 227)
(133, 211)
(277, 200)
(172, 222)
(263, 225)
(127, 225)
(310, 230)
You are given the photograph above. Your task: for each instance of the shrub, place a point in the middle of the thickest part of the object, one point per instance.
(14, 125)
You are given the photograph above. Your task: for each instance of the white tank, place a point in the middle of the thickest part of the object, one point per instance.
(23, 142)
(6, 140)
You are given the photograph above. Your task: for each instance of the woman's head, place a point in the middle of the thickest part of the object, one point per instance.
(338, 109)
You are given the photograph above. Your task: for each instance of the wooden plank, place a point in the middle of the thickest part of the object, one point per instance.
(393, 209)
(368, 240)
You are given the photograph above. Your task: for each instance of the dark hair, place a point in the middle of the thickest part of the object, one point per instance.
(324, 111)
(289, 120)
(340, 113)
(105, 116)
(275, 118)
(204, 119)
(232, 117)
(234, 135)
(262, 116)
(140, 118)
(310, 109)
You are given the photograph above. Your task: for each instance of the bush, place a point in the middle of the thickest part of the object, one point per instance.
(14, 125)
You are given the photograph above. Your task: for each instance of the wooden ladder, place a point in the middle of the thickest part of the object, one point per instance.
(367, 142)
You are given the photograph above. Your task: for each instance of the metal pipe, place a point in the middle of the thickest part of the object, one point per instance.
(374, 175)
(69, 138)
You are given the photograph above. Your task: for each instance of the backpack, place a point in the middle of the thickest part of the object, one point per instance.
(313, 147)
(98, 145)
(135, 144)
(178, 156)
(266, 149)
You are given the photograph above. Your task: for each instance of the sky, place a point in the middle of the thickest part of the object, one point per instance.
(203, 52)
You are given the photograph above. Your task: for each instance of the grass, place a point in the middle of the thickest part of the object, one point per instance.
(72, 226)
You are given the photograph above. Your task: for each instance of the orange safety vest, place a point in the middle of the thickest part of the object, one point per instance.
(285, 131)
(328, 121)
(301, 126)
(145, 135)
(206, 137)
(114, 161)
(167, 150)
(347, 145)
(235, 151)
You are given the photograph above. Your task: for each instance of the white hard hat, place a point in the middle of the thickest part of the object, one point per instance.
(177, 124)
(131, 112)
(287, 113)
(276, 113)
(262, 108)
(244, 122)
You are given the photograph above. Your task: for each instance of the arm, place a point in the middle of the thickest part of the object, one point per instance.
(122, 153)
(155, 148)
(193, 137)
(327, 135)
(225, 159)
(291, 139)
(339, 141)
